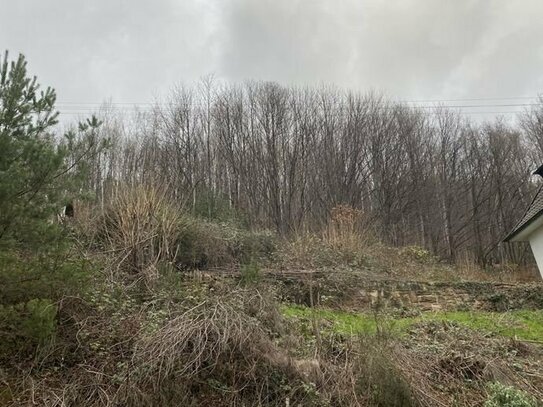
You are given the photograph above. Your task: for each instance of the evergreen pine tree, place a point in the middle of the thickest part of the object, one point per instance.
(29, 159)
(37, 176)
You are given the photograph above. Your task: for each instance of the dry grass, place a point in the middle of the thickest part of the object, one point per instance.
(467, 269)
(348, 242)
(141, 232)
(139, 229)
(449, 365)
(344, 241)
(348, 229)
(220, 352)
(221, 345)
(199, 336)
(233, 348)
(205, 340)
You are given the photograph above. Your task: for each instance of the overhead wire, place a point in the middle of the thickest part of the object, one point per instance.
(82, 108)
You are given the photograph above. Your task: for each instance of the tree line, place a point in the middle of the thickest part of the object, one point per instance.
(285, 156)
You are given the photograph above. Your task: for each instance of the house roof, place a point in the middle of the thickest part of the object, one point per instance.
(534, 211)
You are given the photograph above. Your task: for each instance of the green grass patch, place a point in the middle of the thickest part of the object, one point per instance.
(347, 323)
(524, 324)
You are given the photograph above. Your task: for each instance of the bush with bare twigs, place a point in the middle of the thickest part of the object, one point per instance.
(141, 229)
(348, 229)
(222, 351)
(215, 345)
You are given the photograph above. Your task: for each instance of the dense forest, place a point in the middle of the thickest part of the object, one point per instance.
(283, 157)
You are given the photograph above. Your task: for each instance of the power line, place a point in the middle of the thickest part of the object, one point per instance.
(88, 108)
(482, 105)
(468, 99)
(90, 112)
(437, 107)
(67, 103)
(110, 103)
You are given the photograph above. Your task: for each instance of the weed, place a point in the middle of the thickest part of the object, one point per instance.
(417, 253)
(250, 273)
(507, 396)
(26, 327)
(379, 378)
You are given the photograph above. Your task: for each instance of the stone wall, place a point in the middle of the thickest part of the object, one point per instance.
(351, 293)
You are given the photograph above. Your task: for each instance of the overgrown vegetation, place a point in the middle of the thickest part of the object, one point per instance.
(153, 294)
(507, 396)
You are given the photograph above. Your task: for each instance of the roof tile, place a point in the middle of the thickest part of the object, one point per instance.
(534, 211)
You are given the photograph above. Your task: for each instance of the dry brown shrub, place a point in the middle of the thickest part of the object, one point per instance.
(218, 341)
(448, 365)
(377, 376)
(142, 230)
(343, 242)
(139, 229)
(200, 336)
(348, 229)
(220, 352)
(467, 269)
(204, 244)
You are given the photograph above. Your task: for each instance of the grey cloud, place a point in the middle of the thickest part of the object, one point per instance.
(409, 48)
(130, 50)
(91, 50)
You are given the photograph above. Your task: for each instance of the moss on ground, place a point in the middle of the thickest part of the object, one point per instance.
(523, 324)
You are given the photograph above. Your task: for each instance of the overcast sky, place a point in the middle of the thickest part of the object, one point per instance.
(133, 50)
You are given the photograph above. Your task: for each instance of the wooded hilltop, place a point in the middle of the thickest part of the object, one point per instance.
(283, 157)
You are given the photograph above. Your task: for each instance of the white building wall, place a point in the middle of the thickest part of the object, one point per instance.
(536, 243)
